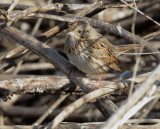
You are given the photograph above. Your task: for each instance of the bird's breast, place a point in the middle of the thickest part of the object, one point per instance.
(89, 65)
(82, 63)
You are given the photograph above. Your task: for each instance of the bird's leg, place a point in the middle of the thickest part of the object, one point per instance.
(96, 86)
(99, 79)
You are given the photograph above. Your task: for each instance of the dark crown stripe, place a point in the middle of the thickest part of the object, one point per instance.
(76, 25)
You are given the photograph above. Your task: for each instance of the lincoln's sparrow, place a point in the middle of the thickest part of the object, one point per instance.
(91, 52)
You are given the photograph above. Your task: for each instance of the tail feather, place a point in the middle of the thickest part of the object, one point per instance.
(124, 48)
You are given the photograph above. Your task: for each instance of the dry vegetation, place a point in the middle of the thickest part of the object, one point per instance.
(39, 87)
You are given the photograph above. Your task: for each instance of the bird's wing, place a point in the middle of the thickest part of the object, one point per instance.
(108, 58)
(105, 51)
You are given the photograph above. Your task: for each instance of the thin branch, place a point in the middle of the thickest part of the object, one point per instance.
(47, 84)
(76, 105)
(89, 125)
(137, 57)
(50, 110)
(137, 95)
(32, 66)
(36, 26)
(87, 98)
(56, 6)
(13, 5)
(151, 36)
(141, 13)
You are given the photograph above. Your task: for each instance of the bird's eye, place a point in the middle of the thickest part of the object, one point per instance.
(79, 31)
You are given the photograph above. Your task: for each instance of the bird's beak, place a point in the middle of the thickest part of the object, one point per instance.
(71, 33)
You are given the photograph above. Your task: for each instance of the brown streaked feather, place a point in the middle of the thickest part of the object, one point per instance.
(108, 58)
(111, 61)
(124, 48)
(128, 47)
(106, 53)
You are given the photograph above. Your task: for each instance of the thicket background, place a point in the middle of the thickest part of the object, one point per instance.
(36, 83)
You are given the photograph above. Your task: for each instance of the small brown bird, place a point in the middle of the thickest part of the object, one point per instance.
(90, 51)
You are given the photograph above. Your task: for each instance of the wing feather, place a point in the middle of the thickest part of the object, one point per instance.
(105, 51)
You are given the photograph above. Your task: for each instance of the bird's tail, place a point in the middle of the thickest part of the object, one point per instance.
(124, 48)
